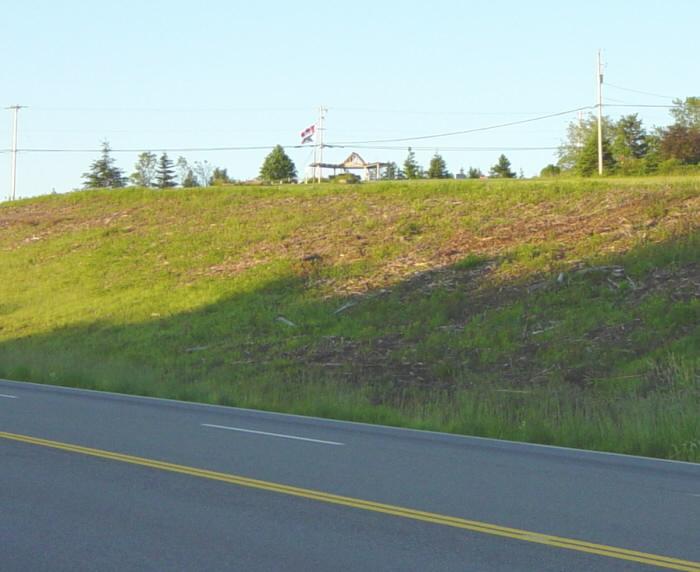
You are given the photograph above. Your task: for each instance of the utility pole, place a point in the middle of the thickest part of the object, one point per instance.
(319, 154)
(13, 177)
(600, 113)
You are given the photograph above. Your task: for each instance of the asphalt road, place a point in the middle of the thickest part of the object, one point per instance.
(95, 481)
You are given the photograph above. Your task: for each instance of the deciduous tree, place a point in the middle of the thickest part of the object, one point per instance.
(278, 166)
(578, 135)
(686, 113)
(203, 171)
(145, 170)
(550, 171)
(390, 172)
(681, 143)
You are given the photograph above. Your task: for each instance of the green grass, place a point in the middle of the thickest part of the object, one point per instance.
(558, 311)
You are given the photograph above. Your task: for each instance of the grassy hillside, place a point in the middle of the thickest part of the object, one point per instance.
(560, 312)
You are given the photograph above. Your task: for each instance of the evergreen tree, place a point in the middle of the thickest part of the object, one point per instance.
(410, 166)
(437, 168)
(474, 173)
(144, 170)
(587, 161)
(220, 177)
(502, 169)
(189, 181)
(165, 173)
(103, 174)
(277, 166)
(629, 138)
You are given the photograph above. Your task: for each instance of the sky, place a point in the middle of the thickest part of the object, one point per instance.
(157, 75)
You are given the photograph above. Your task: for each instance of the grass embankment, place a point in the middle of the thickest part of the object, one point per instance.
(559, 312)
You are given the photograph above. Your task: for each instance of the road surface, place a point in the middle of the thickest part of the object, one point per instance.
(98, 481)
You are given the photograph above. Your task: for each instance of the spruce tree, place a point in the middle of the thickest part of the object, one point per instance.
(629, 138)
(410, 166)
(587, 161)
(103, 174)
(501, 169)
(278, 166)
(438, 168)
(165, 173)
(189, 180)
(220, 177)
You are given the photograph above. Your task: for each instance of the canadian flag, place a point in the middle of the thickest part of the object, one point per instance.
(307, 134)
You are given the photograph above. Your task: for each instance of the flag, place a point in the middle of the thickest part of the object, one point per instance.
(307, 134)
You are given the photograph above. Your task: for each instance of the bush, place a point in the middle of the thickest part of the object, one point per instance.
(346, 179)
(550, 171)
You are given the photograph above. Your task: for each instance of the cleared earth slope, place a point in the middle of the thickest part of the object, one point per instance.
(557, 311)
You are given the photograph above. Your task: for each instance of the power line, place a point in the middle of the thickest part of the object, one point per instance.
(173, 109)
(441, 148)
(376, 144)
(160, 149)
(466, 131)
(638, 91)
(641, 105)
(432, 111)
(337, 144)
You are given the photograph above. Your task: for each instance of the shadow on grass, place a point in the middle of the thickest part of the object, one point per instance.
(604, 356)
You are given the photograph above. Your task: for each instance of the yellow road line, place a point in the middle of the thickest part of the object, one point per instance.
(454, 522)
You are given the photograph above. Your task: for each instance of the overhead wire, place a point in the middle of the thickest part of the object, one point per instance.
(637, 91)
(379, 144)
(465, 131)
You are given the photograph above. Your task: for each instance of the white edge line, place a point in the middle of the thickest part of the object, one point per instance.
(283, 436)
(8, 396)
(262, 412)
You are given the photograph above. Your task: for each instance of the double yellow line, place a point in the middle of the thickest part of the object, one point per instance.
(454, 522)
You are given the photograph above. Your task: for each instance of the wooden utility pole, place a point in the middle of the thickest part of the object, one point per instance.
(600, 113)
(13, 177)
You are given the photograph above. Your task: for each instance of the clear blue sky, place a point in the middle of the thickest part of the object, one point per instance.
(157, 74)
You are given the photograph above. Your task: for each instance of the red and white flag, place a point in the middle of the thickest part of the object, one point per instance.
(307, 134)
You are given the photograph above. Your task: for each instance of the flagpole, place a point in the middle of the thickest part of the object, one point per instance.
(321, 118)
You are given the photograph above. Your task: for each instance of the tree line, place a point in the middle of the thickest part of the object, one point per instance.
(437, 169)
(152, 171)
(628, 149)
(161, 172)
